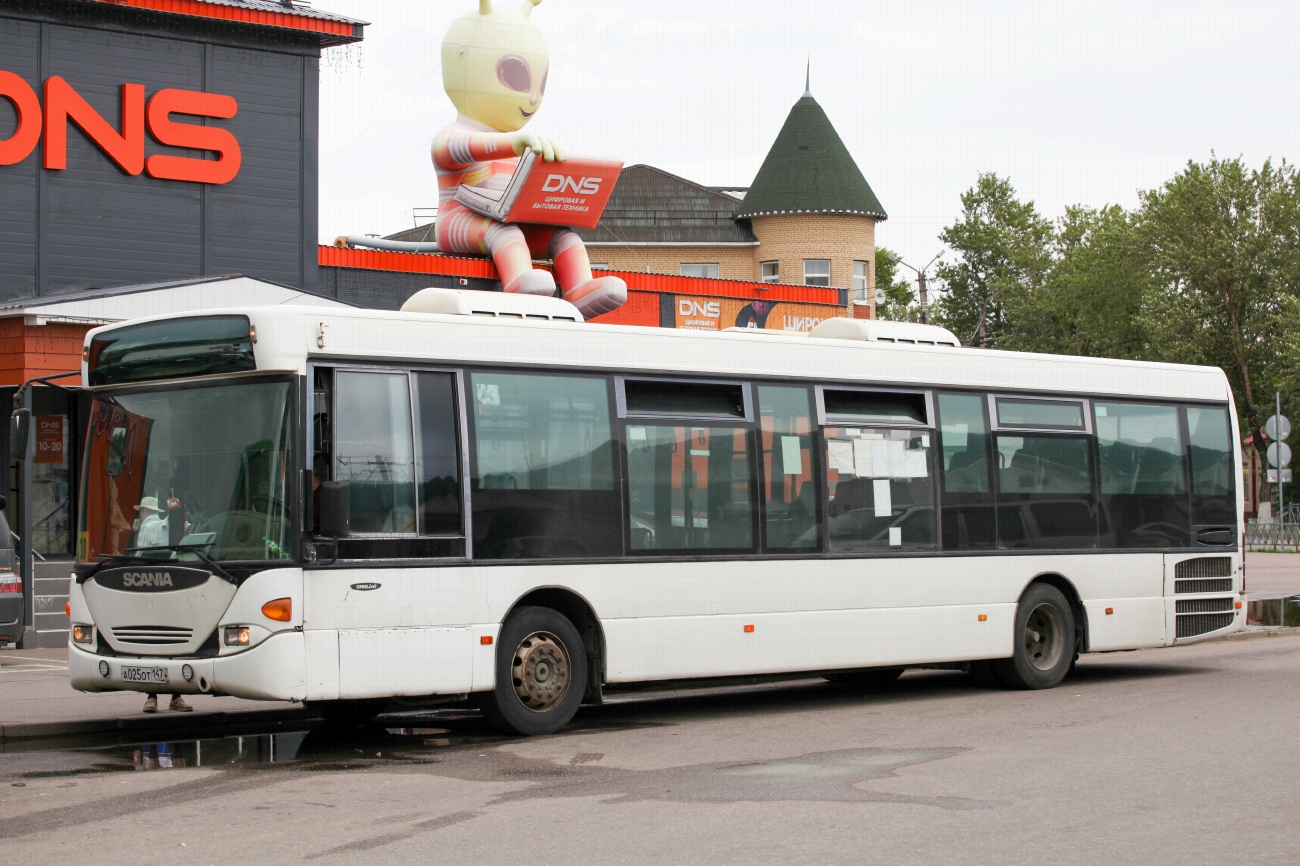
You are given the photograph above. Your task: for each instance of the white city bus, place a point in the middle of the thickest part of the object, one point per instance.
(493, 500)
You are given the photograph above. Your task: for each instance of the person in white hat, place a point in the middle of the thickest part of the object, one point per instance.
(153, 533)
(153, 526)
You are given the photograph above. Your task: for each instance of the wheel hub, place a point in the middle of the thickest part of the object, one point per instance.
(1044, 637)
(540, 671)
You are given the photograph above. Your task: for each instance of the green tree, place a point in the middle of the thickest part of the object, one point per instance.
(1090, 300)
(900, 304)
(1004, 246)
(1225, 264)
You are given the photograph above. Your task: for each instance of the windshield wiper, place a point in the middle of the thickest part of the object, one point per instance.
(105, 559)
(196, 549)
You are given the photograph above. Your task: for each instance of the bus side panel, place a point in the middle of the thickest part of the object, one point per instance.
(322, 664)
(398, 597)
(681, 647)
(1125, 623)
(388, 662)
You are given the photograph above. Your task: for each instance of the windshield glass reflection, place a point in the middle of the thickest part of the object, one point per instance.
(175, 473)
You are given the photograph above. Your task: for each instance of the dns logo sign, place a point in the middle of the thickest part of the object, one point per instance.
(706, 309)
(565, 183)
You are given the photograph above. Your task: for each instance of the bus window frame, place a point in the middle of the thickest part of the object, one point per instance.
(462, 432)
(998, 426)
(824, 420)
(620, 399)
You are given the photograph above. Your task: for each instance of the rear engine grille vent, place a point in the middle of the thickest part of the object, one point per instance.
(153, 635)
(1208, 566)
(1191, 625)
(1212, 585)
(1205, 605)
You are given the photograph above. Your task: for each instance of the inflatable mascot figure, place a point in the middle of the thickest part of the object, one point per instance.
(494, 67)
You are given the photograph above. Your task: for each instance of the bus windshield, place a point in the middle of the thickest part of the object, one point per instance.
(184, 472)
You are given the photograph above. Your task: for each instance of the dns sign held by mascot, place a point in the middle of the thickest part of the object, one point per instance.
(494, 67)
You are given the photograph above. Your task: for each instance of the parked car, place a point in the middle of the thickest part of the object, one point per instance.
(11, 585)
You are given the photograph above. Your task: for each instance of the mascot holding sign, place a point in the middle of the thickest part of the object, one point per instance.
(494, 68)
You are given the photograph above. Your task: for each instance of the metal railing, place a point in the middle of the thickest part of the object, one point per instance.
(1273, 536)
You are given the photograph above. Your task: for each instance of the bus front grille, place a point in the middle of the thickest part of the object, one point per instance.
(1205, 605)
(1223, 584)
(153, 635)
(1191, 625)
(1206, 566)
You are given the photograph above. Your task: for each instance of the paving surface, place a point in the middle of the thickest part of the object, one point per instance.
(1183, 755)
(1272, 575)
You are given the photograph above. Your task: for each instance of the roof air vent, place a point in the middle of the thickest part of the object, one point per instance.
(469, 302)
(876, 331)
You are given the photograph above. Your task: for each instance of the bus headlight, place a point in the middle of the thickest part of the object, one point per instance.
(83, 634)
(237, 635)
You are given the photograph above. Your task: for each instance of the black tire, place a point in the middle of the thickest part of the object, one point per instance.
(348, 714)
(1045, 640)
(541, 674)
(867, 679)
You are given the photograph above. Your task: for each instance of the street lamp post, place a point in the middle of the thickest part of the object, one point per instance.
(921, 277)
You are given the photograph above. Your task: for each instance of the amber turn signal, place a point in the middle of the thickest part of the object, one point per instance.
(1109, 611)
(1238, 605)
(984, 617)
(67, 609)
(486, 640)
(280, 610)
(748, 629)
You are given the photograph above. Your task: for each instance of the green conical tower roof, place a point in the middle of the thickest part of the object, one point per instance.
(809, 170)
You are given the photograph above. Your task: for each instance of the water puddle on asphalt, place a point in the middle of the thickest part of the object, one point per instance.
(1274, 611)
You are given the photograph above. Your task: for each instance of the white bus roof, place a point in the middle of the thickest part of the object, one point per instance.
(289, 334)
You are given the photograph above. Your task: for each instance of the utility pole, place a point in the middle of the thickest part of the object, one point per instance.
(920, 281)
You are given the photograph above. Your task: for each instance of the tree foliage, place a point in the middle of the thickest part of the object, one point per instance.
(1206, 270)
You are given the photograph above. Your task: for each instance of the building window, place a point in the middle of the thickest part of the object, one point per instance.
(700, 270)
(860, 280)
(771, 272)
(816, 272)
(600, 266)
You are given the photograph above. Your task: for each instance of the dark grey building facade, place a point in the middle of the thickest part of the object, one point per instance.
(92, 224)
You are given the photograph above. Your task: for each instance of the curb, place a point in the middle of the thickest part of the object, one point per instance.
(171, 723)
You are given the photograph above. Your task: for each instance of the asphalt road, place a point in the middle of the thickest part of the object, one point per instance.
(1184, 755)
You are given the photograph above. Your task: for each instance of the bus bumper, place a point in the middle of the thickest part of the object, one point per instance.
(274, 670)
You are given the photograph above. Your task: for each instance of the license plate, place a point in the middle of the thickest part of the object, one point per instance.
(157, 676)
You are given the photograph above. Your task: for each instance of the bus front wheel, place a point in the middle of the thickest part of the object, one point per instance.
(1045, 641)
(541, 671)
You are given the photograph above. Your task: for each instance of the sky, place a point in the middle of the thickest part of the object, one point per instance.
(1076, 103)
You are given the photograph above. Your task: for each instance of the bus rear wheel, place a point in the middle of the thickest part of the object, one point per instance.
(541, 671)
(1045, 641)
(866, 679)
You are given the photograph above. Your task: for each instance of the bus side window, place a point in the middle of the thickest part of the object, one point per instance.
(966, 468)
(793, 515)
(437, 454)
(881, 494)
(542, 482)
(1142, 475)
(374, 451)
(1210, 452)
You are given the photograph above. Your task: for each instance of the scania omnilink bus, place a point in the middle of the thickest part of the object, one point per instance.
(482, 496)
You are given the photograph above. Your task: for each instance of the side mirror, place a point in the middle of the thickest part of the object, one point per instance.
(20, 426)
(335, 509)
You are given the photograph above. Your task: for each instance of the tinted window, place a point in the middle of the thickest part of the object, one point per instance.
(880, 491)
(968, 517)
(543, 470)
(790, 490)
(689, 488)
(1142, 475)
(1214, 472)
(1044, 493)
(1015, 412)
(867, 407)
(721, 400)
(174, 348)
(374, 451)
(437, 454)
